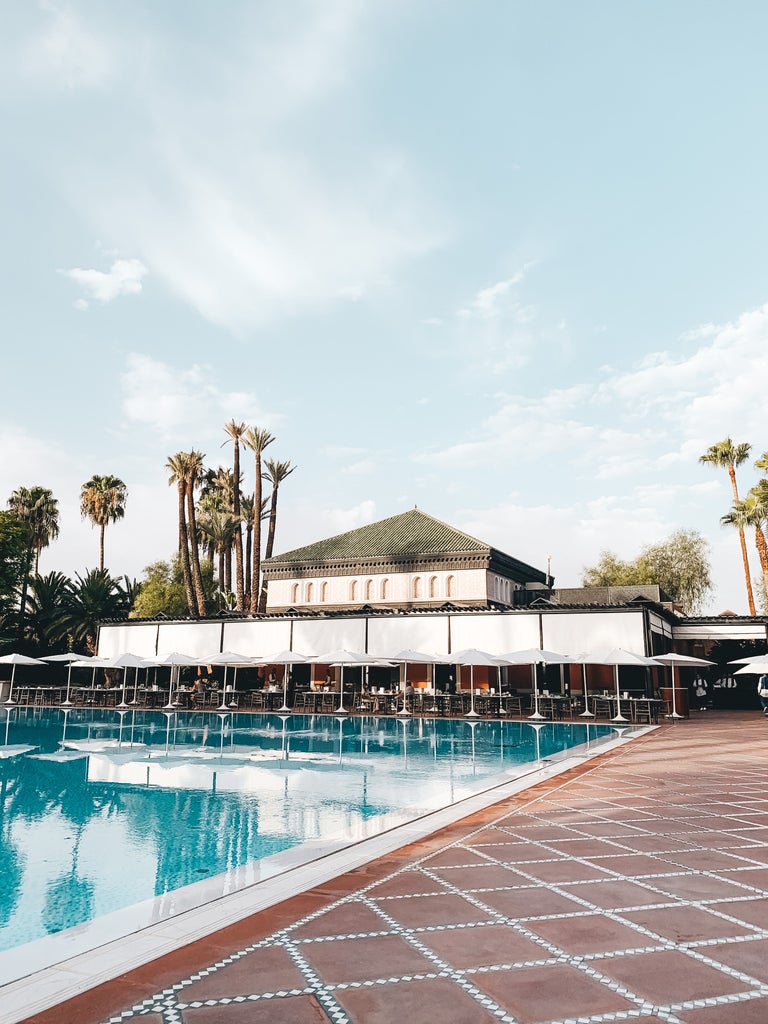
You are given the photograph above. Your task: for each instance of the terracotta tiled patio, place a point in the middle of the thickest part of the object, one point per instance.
(634, 888)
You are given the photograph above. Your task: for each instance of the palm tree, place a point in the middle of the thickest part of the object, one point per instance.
(257, 439)
(762, 462)
(246, 515)
(178, 469)
(219, 527)
(236, 432)
(727, 455)
(276, 472)
(757, 500)
(102, 500)
(194, 477)
(38, 510)
(46, 608)
(89, 600)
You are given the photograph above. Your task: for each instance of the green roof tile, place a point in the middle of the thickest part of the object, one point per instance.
(409, 533)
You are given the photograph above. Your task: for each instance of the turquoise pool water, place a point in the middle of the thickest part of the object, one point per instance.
(100, 810)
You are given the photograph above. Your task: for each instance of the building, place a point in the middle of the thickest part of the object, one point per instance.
(408, 561)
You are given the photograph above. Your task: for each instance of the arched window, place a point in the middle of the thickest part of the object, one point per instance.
(295, 593)
(433, 586)
(353, 590)
(369, 590)
(449, 587)
(310, 592)
(384, 588)
(324, 592)
(417, 588)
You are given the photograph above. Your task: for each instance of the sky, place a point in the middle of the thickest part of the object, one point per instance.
(504, 261)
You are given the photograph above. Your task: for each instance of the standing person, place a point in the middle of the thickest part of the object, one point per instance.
(700, 692)
(762, 691)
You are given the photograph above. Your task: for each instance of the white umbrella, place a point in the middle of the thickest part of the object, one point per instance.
(126, 661)
(172, 661)
(617, 656)
(14, 660)
(287, 659)
(230, 659)
(342, 659)
(756, 668)
(534, 656)
(749, 660)
(71, 660)
(472, 657)
(408, 657)
(674, 660)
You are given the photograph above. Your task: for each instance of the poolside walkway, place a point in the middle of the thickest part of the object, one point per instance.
(634, 888)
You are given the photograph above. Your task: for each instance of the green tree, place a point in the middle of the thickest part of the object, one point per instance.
(257, 439)
(679, 565)
(47, 609)
(162, 590)
(38, 510)
(276, 472)
(727, 455)
(13, 559)
(179, 474)
(90, 600)
(102, 501)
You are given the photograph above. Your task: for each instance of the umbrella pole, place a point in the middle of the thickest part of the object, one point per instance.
(341, 710)
(536, 713)
(285, 689)
(674, 706)
(170, 705)
(223, 705)
(123, 703)
(618, 717)
(586, 713)
(404, 710)
(10, 688)
(498, 680)
(67, 703)
(472, 713)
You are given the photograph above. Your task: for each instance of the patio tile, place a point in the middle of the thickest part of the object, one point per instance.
(415, 1002)
(520, 853)
(365, 959)
(613, 894)
(488, 876)
(265, 970)
(593, 933)
(407, 883)
(587, 848)
(347, 919)
(669, 977)
(749, 957)
(630, 864)
(756, 878)
(482, 946)
(454, 855)
(686, 924)
(553, 992)
(654, 844)
(296, 1009)
(423, 911)
(608, 830)
(534, 902)
(697, 887)
(707, 860)
(563, 871)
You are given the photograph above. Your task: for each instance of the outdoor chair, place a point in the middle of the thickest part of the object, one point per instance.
(602, 707)
(643, 711)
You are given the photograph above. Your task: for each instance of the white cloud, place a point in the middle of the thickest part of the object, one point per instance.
(490, 302)
(183, 402)
(124, 277)
(67, 52)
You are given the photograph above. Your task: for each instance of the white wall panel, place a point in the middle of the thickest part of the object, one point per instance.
(200, 639)
(260, 637)
(139, 638)
(428, 633)
(318, 636)
(588, 631)
(496, 633)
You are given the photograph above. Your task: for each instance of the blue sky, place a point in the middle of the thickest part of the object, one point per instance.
(503, 260)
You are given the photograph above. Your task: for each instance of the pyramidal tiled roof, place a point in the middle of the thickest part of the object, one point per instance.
(409, 533)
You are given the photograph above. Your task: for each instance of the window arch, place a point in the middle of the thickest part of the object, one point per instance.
(324, 591)
(353, 590)
(433, 586)
(449, 586)
(384, 588)
(295, 593)
(417, 587)
(310, 593)
(369, 590)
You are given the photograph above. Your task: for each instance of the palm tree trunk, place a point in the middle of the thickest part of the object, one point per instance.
(743, 541)
(256, 574)
(184, 551)
(102, 529)
(228, 567)
(24, 587)
(221, 572)
(194, 551)
(270, 546)
(247, 587)
(239, 573)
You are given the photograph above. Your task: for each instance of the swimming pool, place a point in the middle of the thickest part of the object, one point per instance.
(104, 810)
